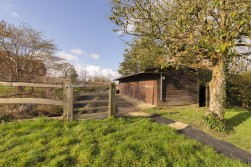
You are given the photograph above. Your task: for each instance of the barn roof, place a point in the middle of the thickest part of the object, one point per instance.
(157, 71)
(136, 74)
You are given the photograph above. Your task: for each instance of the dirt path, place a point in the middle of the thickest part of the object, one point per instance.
(129, 107)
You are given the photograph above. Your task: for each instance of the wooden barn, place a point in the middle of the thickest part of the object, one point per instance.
(167, 87)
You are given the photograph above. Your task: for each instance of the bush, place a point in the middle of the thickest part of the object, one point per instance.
(6, 117)
(9, 112)
(239, 89)
(215, 123)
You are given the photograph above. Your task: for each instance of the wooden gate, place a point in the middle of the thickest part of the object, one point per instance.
(93, 105)
(89, 105)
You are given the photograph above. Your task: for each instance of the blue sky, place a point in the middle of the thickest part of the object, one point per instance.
(80, 28)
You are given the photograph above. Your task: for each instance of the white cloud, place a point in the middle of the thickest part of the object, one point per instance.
(8, 8)
(129, 28)
(94, 56)
(14, 14)
(67, 56)
(77, 52)
(120, 33)
(93, 70)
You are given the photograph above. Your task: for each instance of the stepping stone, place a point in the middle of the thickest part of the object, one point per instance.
(178, 125)
(142, 114)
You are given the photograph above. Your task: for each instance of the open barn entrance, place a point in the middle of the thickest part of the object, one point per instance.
(202, 96)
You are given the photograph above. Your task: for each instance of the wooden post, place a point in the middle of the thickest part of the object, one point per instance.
(68, 101)
(112, 91)
(207, 95)
(65, 82)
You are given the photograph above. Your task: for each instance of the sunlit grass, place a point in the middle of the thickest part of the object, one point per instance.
(110, 142)
(6, 89)
(238, 122)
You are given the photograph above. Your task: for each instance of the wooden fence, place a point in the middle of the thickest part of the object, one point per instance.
(68, 98)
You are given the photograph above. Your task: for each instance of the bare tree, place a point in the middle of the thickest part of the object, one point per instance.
(24, 52)
(63, 69)
(83, 74)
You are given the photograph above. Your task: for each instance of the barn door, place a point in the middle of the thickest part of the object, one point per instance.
(149, 92)
(202, 96)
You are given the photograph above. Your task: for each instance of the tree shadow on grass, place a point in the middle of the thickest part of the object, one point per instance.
(237, 119)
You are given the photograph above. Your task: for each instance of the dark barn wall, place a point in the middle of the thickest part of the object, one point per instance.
(179, 88)
(141, 87)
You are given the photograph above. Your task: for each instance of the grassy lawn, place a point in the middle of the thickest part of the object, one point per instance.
(110, 142)
(238, 123)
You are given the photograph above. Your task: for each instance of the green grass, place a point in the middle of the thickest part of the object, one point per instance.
(110, 142)
(238, 123)
(2, 88)
(6, 89)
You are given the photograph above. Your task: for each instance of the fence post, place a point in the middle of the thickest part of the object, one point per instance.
(112, 91)
(68, 101)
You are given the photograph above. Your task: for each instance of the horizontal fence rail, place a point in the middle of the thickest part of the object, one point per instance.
(90, 101)
(30, 101)
(85, 86)
(38, 85)
(75, 86)
(77, 94)
(90, 108)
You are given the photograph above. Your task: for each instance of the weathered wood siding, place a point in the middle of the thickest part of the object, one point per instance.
(141, 87)
(179, 88)
(155, 86)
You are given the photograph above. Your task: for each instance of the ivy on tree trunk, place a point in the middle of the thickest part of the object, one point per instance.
(217, 88)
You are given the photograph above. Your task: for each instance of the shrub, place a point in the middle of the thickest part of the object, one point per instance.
(215, 123)
(239, 91)
(9, 112)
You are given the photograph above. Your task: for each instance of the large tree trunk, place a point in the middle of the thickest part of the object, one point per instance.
(217, 88)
